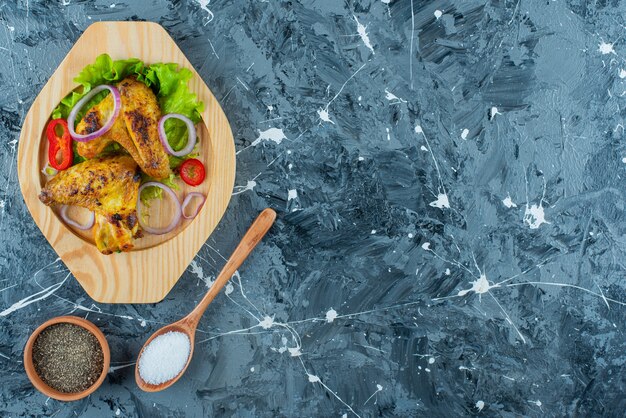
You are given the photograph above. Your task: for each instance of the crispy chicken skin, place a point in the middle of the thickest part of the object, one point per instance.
(135, 129)
(108, 186)
(93, 120)
(141, 112)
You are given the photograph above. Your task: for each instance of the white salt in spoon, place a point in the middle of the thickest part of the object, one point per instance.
(188, 324)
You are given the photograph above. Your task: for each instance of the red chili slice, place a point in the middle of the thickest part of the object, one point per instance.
(62, 144)
(192, 172)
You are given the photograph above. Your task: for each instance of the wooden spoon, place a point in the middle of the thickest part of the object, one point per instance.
(188, 324)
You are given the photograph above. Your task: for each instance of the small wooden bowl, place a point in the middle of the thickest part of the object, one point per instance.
(30, 367)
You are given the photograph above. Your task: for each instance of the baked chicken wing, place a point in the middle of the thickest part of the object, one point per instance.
(141, 112)
(108, 186)
(93, 120)
(135, 129)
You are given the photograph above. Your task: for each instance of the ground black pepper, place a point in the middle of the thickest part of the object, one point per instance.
(67, 357)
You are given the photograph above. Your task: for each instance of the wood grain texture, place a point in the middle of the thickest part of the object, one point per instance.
(146, 274)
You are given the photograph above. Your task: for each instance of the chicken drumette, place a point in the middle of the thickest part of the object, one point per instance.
(108, 186)
(135, 129)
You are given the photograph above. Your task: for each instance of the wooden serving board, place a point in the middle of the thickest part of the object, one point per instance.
(150, 270)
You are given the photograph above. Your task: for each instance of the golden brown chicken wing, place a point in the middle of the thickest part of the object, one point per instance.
(141, 112)
(93, 120)
(108, 186)
(135, 129)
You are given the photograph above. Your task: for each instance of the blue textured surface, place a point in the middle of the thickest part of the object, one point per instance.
(449, 183)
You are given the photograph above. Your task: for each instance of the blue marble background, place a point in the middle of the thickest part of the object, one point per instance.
(449, 182)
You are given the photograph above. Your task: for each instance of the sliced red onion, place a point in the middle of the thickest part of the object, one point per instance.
(191, 135)
(177, 215)
(117, 104)
(69, 221)
(188, 199)
(49, 171)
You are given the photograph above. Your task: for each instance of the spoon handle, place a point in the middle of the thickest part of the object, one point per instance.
(253, 236)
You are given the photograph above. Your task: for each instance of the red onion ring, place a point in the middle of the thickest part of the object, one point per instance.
(177, 215)
(69, 221)
(49, 171)
(191, 135)
(117, 104)
(188, 199)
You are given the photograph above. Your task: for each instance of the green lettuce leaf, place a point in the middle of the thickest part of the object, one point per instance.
(171, 85)
(103, 71)
(153, 192)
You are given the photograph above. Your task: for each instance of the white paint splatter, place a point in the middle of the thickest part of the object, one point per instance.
(196, 269)
(252, 369)
(386, 1)
(423, 148)
(363, 34)
(431, 360)
(442, 198)
(313, 378)
(410, 235)
(622, 73)
(331, 315)
(388, 135)
(324, 116)
(142, 323)
(378, 389)
(112, 6)
(606, 48)
(411, 44)
(480, 405)
(480, 286)
(323, 113)
(35, 297)
(292, 194)
(250, 185)
(624, 160)
(438, 14)
(204, 6)
(272, 134)
(229, 289)
(294, 351)
(373, 232)
(426, 246)
(464, 133)
(447, 272)
(361, 159)
(267, 322)
(118, 412)
(534, 216)
(508, 202)
(441, 202)
(493, 112)
(284, 347)
(393, 98)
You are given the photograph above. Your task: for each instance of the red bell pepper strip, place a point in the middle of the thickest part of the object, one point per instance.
(62, 144)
